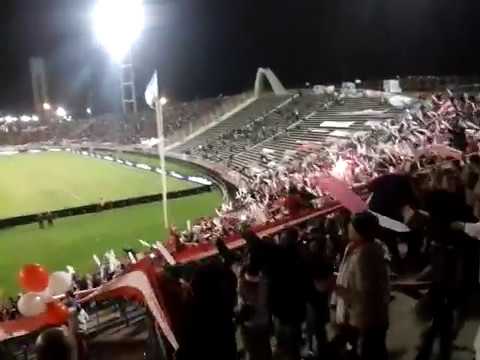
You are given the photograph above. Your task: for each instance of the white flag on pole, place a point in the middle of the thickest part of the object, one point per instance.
(144, 243)
(151, 92)
(390, 223)
(97, 260)
(165, 253)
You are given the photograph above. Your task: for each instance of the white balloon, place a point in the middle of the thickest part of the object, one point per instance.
(46, 296)
(31, 304)
(59, 283)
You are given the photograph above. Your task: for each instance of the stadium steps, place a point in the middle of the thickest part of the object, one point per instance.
(217, 144)
(222, 146)
(343, 123)
(104, 321)
(276, 122)
(280, 121)
(236, 121)
(220, 149)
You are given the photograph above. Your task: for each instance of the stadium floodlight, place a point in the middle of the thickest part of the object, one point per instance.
(61, 112)
(10, 118)
(35, 118)
(46, 106)
(89, 111)
(25, 118)
(118, 24)
(163, 100)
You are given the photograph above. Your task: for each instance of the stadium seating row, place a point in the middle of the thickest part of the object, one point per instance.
(274, 128)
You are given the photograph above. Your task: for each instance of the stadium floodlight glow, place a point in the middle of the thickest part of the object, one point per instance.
(61, 112)
(89, 111)
(118, 24)
(35, 118)
(25, 118)
(46, 106)
(10, 118)
(163, 100)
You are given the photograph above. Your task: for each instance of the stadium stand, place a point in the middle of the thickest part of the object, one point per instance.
(274, 127)
(300, 264)
(220, 133)
(179, 118)
(180, 115)
(322, 124)
(240, 138)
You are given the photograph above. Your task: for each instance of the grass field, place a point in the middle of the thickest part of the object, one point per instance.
(31, 183)
(73, 240)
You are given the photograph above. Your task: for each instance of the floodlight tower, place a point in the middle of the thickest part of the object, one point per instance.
(127, 83)
(118, 24)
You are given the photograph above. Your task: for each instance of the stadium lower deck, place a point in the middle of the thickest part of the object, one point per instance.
(315, 123)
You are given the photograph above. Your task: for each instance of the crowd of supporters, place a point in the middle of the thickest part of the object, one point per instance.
(323, 289)
(282, 292)
(180, 116)
(113, 128)
(402, 143)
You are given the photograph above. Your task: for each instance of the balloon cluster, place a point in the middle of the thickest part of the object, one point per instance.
(41, 288)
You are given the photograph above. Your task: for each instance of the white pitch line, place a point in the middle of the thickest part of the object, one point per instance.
(72, 194)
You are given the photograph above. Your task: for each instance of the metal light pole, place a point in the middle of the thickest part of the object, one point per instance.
(118, 24)
(127, 83)
(159, 102)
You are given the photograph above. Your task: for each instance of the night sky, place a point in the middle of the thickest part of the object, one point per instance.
(207, 47)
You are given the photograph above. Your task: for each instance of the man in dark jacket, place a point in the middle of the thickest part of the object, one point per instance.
(320, 268)
(288, 284)
(390, 194)
(210, 330)
(446, 271)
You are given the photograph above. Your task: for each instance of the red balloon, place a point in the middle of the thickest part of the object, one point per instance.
(33, 277)
(57, 313)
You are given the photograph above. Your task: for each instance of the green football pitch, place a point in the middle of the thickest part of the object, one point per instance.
(32, 183)
(73, 241)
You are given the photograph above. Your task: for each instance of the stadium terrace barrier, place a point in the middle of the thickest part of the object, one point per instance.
(108, 205)
(227, 180)
(131, 163)
(216, 170)
(198, 252)
(218, 173)
(203, 251)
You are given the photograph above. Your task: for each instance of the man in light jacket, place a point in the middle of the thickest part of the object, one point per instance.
(365, 288)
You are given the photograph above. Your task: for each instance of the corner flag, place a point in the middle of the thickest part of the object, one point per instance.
(153, 100)
(151, 92)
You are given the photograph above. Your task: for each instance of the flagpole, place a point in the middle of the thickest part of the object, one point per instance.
(161, 154)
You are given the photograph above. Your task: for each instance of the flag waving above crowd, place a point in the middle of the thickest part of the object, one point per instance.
(151, 92)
